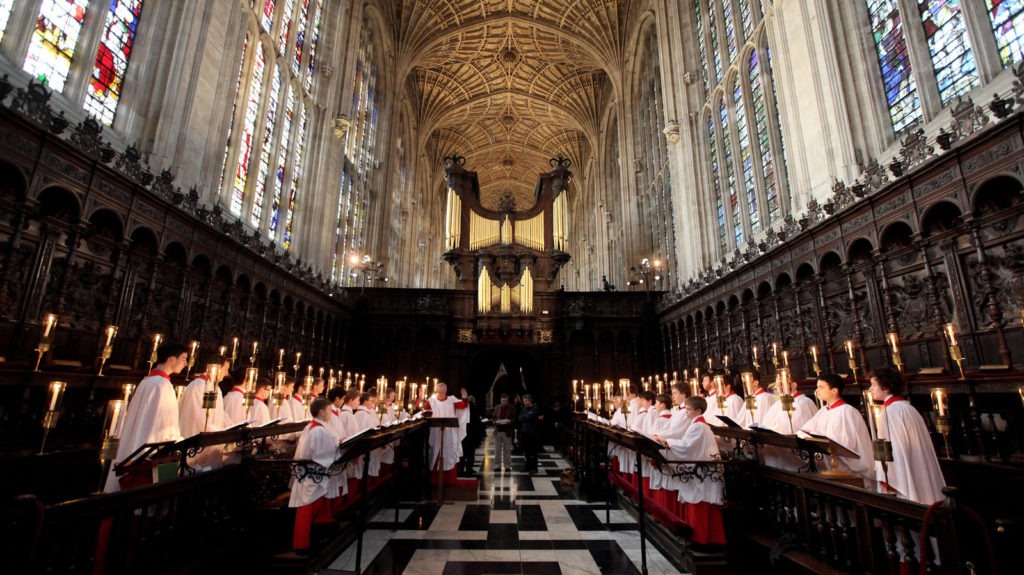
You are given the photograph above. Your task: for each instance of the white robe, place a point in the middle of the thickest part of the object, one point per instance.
(320, 444)
(843, 424)
(192, 417)
(391, 416)
(354, 467)
(763, 401)
(296, 409)
(914, 471)
(777, 420)
(259, 413)
(336, 424)
(697, 444)
(614, 449)
(660, 425)
(453, 436)
(367, 419)
(151, 416)
(735, 410)
(234, 405)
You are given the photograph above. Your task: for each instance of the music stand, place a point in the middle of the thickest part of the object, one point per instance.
(835, 450)
(443, 423)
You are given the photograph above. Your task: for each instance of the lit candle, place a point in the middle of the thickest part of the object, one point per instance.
(56, 391)
(48, 322)
(785, 358)
(222, 350)
(659, 387)
(127, 390)
(212, 375)
(280, 357)
(814, 353)
(849, 348)
(720, 385)
(694, 387)
(321, 375)
(250, 378)
(234, 346)
(950, 331)
(156, 341)
(753, 351)
(309, 371)
(725, 361)
(111, 332)
(607, 388)
(574, 386)
(195, 346)
(255, 347)
(711, 365)
(894, 342)
(298, 357)
(279, 379)
(869, 411)
(941, 401)
(115, 409)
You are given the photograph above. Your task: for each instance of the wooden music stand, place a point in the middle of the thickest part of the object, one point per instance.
(443, 423)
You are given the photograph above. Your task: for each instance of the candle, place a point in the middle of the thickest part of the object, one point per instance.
(298, 356)
(784, 381)
(950, 331)
(321, 375)
(255, 347)
(849, 348)
(400, 395)
(785, 358)
(156, 341)
(195, 346)
(720, 385)
(115, 409)
(279, 379)
(48, 322)
(814, 353)
(56, 391)
(280, 357)
(940, 399)
(574, 384)
(775, 353)
(250, 378)
(412, 390)
(711, 365)
(111, 332)
(309, 370)
(222, 350)
(869, 411)
(212, 375)
(748, 382)
(725, 361)
(128, 389)
(753, 351)
(694, 387)
(894, 342)
(234, 347)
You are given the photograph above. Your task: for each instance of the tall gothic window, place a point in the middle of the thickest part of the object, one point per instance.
(5, 14)
(273, 99)
(950, 47)
(653, 182)
(894, 59)
(746, 156)
(1007, 17)
(58, 29)
(360, 156)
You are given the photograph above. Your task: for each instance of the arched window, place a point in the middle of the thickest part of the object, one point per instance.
(269, 118)
(746, 154)
(360, 155)
(894, 59)
(950, 47)
(1007, 17)
(653, 182)
(58, 30)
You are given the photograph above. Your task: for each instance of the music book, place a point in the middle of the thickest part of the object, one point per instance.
(728, 422)
(756, 427)
(272, 422)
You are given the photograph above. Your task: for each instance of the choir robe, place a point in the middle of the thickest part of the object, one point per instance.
(777, 420)
(764, 402)
(391, 416)
(192, 419)
(367, 419)
(151, 416)
(703, 499)
(259, 413)
(659, 426)
(319, 443)
(351, 427)
(914, 471)
(296, 408)
(614, 450)
(735, 410)
(234, 405)
(843, 424)
(712, 411)
(453, 436)
(338, 427)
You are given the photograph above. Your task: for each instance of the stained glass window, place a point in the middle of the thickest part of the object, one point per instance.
(300, 37)
(248, 130)
(293, 193)
(231, 118)
(746, 18)
(5, 13)
(282, 158)
(716, 54)
(53, 43)
(313, 42)
(950, 47)
(716, 182)
(770, 81)
(1007, 18)
(112, 59)
(897, 79)
(730, 174)
(286, 26)
(268, 14)
(268, 135)
(730, 29)
(763, 138)
(700, 44)
(746, 159)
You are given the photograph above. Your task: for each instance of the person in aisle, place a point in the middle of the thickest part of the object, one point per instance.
(467, 462)
(443, 405)
(505, 416)
(530, 421)
(152, 412)
(843, 424)
(763, 401)
(914, 471)
(310, 497)
(703, 499)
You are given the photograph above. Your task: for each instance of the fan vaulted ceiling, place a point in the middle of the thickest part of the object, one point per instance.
(509, 83)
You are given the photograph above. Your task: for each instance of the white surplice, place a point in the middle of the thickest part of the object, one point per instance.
(763, 402)
(151, 416)
(778, 420)
(192, 418)
(234, 405)
(914, 471)
(843, 424)
(367, 419)
(697, 444)
(453, 436)
(259, 413)
(319, 443)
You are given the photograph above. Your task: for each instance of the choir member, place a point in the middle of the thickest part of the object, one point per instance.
(234, 404)
(763, 401)
(443, 405)
(914, 471)
(259, 413)
(843, 424)
(336, 398)
(152, 413)
(317, 443)
(784, 422)
(366, 419)
(192, 417)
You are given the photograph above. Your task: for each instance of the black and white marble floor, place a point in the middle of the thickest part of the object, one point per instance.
(519, 524)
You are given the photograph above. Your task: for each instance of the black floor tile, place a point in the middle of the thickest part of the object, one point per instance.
(583, 517)
(475, 518)
(482, 567)
(611, 558)
(531, 518)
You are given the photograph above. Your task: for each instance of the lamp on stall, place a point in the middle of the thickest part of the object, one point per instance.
(191, 359)
(720, 392)
(750, 401)
(210, 390)
(157, 338)
(49, 321)
(852, 359)
(893, 339)
(784, 383)
(56, 389)
(112, 423)
(108, 347)
(280, 379)
(940, 401)
(955, 353)
(882, 447)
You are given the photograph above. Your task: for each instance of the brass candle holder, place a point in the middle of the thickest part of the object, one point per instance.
(108, 347)
(893, 339)
(784, 384)
(750, 401)
(194, 347)
(210, 393)
(112, 423)
(720, 392)
(234, 350)
(255, 353)
(157, 338)
(852, 358)
(52, 411)
(940, 402)
(955, 353)
(814, 360)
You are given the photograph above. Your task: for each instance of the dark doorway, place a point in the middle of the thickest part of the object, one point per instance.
(523, 374)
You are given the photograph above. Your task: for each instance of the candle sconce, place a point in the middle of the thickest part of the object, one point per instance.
(750, 401)
(255, 354)
(191, 358)
(210, 392)
(814, 361)
(852, 358)
(52, 411)
(955, 353)
(720, 392)
(893, 339)
(881, 447)
(111, 436)
(157, 338)
(280, 378)
(108, 347)
(784, 383)
(49, 322)
(940, 402)
(234, 350)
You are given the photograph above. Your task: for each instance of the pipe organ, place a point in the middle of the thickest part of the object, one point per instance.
(507, 255)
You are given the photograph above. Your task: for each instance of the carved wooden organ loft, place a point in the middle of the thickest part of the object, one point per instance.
(507, 255)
